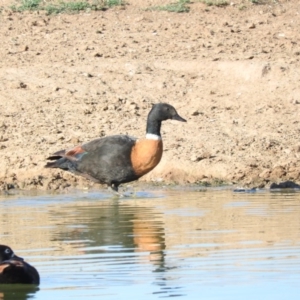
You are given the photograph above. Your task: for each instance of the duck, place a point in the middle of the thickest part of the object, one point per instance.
(13, 269)
(117, 159)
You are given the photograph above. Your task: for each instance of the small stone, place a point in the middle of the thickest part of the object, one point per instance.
(296, 148)
(196, 113)
(87, 75)
(194, 158)
(133, 106)
(23, 85)
(265, 174)
(278, 172)
(111, 107)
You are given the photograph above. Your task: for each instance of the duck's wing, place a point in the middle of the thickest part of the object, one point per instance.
(10, 271)
(107, 160)
(109, 141)
(16, 271)
(94, 145)
(70, 153)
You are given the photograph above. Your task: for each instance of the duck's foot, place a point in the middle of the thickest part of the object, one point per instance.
(115, 190)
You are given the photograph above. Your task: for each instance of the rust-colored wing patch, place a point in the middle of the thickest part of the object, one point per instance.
(72, 154)
(145, 155)
(3, 266)
(74, 151)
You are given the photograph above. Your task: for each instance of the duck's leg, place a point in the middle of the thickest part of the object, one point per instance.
(114, 188)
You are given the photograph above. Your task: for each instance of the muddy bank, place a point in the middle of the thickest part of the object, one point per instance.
(232, 73)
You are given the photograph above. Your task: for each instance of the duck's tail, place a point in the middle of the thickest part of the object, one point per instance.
(52, 164)
(60, 162)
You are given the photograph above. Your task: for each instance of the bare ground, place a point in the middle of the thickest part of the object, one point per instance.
(232, 73)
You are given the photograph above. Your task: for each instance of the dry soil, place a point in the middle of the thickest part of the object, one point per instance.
(232, 72)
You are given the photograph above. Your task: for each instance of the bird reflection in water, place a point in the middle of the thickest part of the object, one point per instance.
(17, 291)
(148, 235)
(115, 227)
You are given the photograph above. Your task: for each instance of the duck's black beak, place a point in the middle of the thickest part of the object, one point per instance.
(178, 118)
(15, 257)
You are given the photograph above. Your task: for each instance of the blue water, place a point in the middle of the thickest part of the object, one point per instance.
(206, 244)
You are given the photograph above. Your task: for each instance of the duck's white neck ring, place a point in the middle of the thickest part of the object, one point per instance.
(151, 136)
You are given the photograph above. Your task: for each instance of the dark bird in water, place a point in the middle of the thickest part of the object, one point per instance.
(13, 269)
(117, 159)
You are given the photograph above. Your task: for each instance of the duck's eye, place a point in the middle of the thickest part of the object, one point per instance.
(7, 251)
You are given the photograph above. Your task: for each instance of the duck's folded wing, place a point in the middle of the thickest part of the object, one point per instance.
(109, 141)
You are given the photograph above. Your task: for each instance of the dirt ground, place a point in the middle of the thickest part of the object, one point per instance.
(233, 72)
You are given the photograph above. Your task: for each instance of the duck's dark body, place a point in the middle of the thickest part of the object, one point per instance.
(120, 158)
(14, 269)
(111, 153)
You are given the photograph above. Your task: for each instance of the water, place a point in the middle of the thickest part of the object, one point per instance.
(206, 244)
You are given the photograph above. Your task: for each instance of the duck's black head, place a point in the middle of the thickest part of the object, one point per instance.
(161, 112)
(6, 253)
(164, 111)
